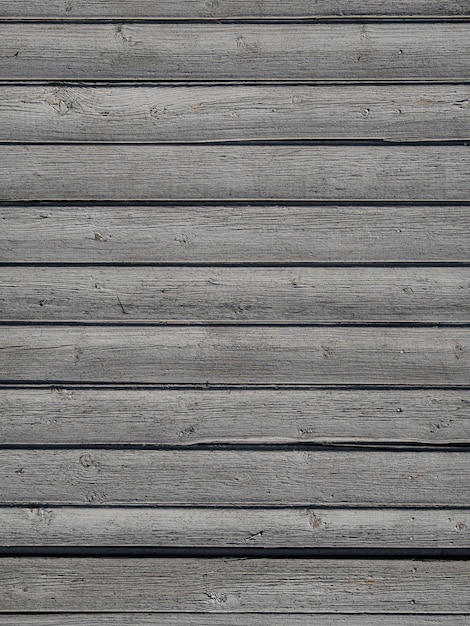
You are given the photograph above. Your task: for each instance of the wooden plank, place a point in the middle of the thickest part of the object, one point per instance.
(234, 234)
(236, 295)
(234, 585)
(206, 619)
(385, 478)
(236, 355)
(235, 528)
(226, 52)
(219, 9)
(43, 113)
(194, 172)
(173, 417)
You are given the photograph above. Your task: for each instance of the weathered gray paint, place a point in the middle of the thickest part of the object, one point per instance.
(235, 585)
(236, 52)
(235, 477)
(42, 113)
(173, 417)
(229, 233)
(231, 528)
(236, 295)
(194, 172)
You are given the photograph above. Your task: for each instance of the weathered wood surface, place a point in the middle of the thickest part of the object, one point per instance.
(225, 52)
(195, 172)
(206, 619)
(235, 528)
(235, 585)
(211, 234)
(236, 295)
(171, 417)
(214, 9)
(233, 113)
(385, 478)
(236, 355)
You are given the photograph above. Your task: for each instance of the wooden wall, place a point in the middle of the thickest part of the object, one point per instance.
(234, 306)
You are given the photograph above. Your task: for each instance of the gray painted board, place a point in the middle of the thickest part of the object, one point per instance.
(385, 478)
(225, 52)
(42, 113)
(236, 355)
(236, 295)
(235, 585)
(211, 234)
(195, 172)
(214, 9)
(173, 417)
(234, 528)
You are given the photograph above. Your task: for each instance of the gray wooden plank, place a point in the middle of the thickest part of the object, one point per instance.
(235, 528)
(195, 172)
(236, 295)
(233, 113)
(234, 234)
(224, 52)
(173, 417)
(236, 355)
(206, 619)
(234, 585)
(385, 478)
(214, 9)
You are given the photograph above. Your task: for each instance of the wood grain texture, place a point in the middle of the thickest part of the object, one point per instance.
(235, 528)
(194, 172)
(226, 52)
(236, 295)
(214, 9)
(236, 355)
(234, 585)
(184, 418)
(234, 234)
(235, 478)
(233, 113)
(207, 619)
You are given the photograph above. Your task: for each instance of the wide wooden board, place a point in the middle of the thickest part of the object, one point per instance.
(236, 355)
(213, 619)
(215, 9)
(234, 585)
(195, 172)
(230, 233)
(171, 417)
(296, 295)
(225, 528)
(41, 113)
(235, 52)
(235, 478)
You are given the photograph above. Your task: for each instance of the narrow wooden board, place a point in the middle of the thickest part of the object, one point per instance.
(236, 295)
(195, 172)
(147, 114)
(234, 585)
(171, 417)
(234, 528)
(236, 355)
(215, 9)
(211, 234)
(235, 478)
(226, 52)
(207, 619)
(252, 619)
